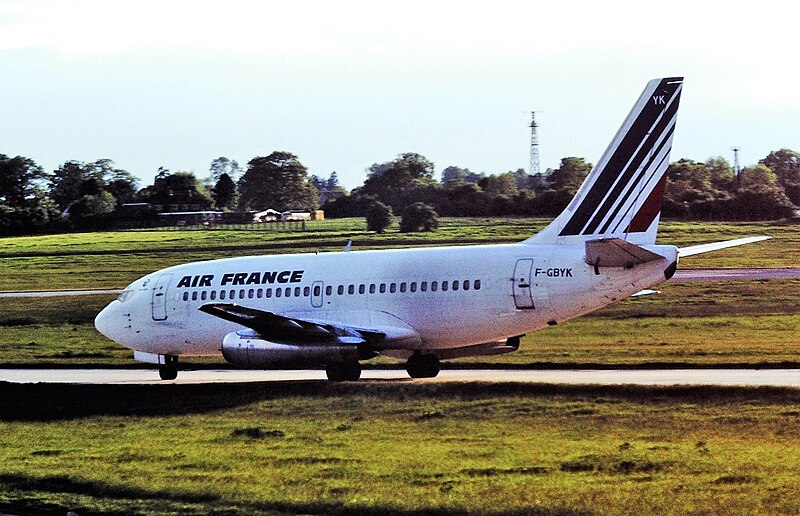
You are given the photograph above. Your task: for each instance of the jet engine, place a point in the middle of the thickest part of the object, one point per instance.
(248, 348)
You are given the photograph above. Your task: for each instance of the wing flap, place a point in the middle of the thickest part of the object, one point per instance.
(615, 252)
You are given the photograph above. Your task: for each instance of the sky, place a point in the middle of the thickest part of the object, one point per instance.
(347, 84)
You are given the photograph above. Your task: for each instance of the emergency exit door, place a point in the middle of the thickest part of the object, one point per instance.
(521, 284)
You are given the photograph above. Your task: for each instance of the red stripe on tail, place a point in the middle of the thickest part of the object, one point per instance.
(649, 210)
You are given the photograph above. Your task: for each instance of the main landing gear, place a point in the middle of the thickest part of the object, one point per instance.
(169, 370)
(343, 371)
(423, 366)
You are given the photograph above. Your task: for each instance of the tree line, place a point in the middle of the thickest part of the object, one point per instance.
(709, 190)
(80, 195)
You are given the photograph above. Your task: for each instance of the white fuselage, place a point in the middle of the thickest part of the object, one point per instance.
(492, 292)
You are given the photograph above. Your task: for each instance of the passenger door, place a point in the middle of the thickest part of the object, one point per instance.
(159, 299)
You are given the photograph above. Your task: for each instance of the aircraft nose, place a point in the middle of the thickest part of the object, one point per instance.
(104, 322)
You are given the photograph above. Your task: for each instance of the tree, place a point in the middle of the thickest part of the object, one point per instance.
(224, 192)
(399, 181)
(24, 208)
(92, 210)
(223, 165)
(569, 175)
(177, 188)
(278, 181)
(453, 173)
(418, 217)
(379, 217)
(785, 163)
(760, 196)
(74, 179)
(502, 184)
(561, 186)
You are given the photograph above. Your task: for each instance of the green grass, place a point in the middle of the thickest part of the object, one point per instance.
(114, 259)
(410, 448)
(689, 324)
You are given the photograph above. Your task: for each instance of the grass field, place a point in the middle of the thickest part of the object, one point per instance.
(404, 448)
(114, 259)
(690, 324)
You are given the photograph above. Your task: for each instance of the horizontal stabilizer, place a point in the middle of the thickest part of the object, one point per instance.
(615, 252)
(715, 246)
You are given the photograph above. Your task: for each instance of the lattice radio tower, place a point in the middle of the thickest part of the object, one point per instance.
(534, 166)
(736, 167)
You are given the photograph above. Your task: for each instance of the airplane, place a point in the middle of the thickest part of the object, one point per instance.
(422, 305)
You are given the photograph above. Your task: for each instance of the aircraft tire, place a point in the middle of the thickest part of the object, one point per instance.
(168, 372)
(423, 366)
(343, 371)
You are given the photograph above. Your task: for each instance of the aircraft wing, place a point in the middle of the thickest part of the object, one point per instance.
(299, 330)
(714, 246)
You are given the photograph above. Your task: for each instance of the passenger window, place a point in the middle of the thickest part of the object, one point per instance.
(241, 294)
(307, 291)
(413, 286)
(362, 288)
(340, 290)
(222, 294)
(287, 292)
(185, 296)
(194, 296)
(383, 288)
(213, 295)
(393, 288)
(232, 294)
(260, 293)
(403, 287)
(434, 286)
(444, 286)
(203, 295)
(466, 284)
(278, 292)
(423, 286)
(351, 289)
(268, 292)
(251, 293)
(455, 285)
(372, 288)
(317, 290)
(328, 290)
(477, 284)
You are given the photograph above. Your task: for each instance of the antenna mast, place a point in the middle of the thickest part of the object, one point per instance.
(736, 168)
(534, 166)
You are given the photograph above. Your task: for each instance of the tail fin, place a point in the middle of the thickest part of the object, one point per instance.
(621, 197)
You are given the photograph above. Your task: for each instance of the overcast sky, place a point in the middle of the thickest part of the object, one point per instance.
(347, 84)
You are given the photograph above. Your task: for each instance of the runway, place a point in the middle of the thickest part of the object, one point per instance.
(743, 377)
(680, 275)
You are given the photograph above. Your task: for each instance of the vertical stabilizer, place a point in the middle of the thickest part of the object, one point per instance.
(621, 197)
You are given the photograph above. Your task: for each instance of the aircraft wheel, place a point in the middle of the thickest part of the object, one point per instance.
(168, 372)
(423, 366)
(343, 371)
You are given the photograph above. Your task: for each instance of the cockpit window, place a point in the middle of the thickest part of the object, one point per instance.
(125, 295)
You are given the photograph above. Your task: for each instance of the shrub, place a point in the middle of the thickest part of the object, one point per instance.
(418, 217)
(379, 217)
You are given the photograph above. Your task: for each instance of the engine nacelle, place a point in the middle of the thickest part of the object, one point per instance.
(249, 349)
